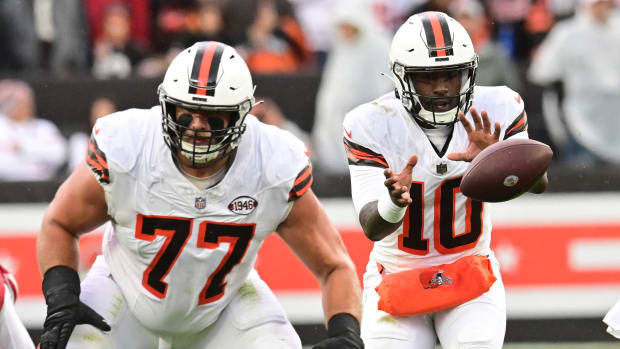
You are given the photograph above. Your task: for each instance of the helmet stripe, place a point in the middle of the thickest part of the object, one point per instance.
(437, 33)
(205, 68)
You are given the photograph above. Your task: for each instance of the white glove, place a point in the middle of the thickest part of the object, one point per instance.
(612, 319)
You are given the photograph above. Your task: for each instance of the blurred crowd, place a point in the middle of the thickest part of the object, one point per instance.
(570, 48)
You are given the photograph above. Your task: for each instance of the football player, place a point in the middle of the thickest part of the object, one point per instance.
(13, 334)
(431, 272)
(191, 189)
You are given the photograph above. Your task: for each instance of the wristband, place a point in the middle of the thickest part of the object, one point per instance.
(61, 287)
(389, 211)
(342, 323)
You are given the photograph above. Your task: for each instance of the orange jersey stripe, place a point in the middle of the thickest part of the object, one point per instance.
(302, 191)
(377, 160)
(361, 154)
(99, 159)
(521, 122)
(303, 176)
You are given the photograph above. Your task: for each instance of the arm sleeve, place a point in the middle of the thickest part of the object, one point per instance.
(366, 185)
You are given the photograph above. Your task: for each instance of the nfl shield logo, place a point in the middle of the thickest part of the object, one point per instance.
(442, 168)
(200, 203)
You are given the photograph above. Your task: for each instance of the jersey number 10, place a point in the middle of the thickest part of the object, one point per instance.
(177, 231)
(412, 241)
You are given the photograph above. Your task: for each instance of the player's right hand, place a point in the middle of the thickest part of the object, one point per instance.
(61, 289)
(343, 332)
(398, 184)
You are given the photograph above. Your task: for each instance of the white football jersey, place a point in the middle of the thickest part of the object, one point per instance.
(179, 253)
(441, 224)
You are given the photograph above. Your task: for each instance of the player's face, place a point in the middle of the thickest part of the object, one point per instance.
(202, 123)
(443, 87)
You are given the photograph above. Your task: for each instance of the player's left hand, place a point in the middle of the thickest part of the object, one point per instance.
(343, 332)
(479, 137)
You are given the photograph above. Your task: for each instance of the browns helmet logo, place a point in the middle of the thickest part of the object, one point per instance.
(434, 279)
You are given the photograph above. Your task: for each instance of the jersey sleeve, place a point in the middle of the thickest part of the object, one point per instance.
(359, 147)
(303, 182)
(112, 148)
(97, 160)
(287, 162)
(515, 119)
(366, 162)
(287, 168)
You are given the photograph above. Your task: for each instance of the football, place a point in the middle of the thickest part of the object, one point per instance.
(506, 170)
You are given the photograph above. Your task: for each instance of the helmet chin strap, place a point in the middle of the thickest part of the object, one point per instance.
(442, 117)
(202, 157)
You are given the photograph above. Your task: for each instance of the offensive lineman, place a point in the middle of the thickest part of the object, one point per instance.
(191, 190)
(431, 272)
(13, 334)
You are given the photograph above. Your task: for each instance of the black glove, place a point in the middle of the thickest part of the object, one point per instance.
(61, 288)
(343, 332)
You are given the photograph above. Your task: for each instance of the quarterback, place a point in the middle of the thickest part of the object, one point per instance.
(431, 272)
(189, 190)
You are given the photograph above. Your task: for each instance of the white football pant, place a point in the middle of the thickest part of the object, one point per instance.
(251, 320)
(13, 334)
(477, 324)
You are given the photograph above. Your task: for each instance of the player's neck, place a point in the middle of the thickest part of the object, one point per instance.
(428, 126)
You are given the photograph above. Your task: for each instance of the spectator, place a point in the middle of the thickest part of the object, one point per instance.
(61, 28)
(314, 22)
(78, 141)
(584, 55)
(203, 23)
(519, 25)
(274, 42)
(562, 9)
(269, 113)
(432, 5)
(351, 77)
(31, 149)
(140, 18)
(495, 68)
(392, 13)
(115, 52)
(18, 41)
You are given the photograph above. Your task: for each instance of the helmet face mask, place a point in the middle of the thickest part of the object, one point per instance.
(432, 46)
(211, 80)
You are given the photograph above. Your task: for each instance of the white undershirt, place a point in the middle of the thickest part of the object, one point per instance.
(203, 183)
(438, 135)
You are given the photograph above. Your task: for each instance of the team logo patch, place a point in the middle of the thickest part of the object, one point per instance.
(243, 205)
(200, 203)
(434, 279)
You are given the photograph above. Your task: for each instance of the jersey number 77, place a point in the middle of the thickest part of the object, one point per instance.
(177, 231)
